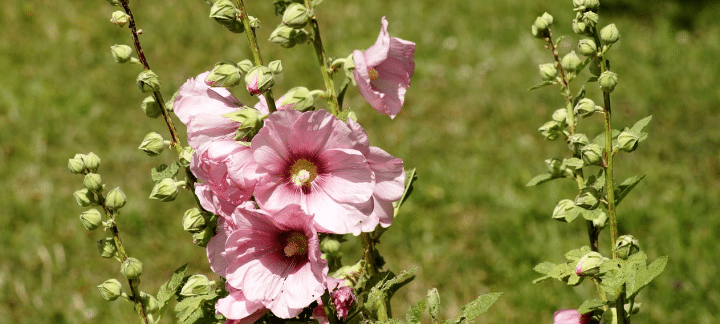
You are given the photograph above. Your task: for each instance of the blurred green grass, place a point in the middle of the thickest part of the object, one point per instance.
(468, 126)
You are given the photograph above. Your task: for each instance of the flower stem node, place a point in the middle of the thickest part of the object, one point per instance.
(609, 34)
(296, 15)
(259, 80)
(551, 130)
(250, 119)
(148, 81)
(288, 37)
(121, 53)
(111, 289)
(153, 144)
(85, 197)
(587, 47)
(570, 62)
(626, 246)
(548, 71)
(298, 98)
(628, 141)
(193, 220)
(150, 302)
(76, 164)
(224, 75)
(91, 161)
(107, 247)
(607, 81)
(115, 199)
(589, 264)
(275, 67)
(91, 219)
(165, 190)
(150, 107)
(225, 13)
(93, 182)
(119, 18)
(197, 284)
(586, 107)
(131, 268)
(588, 198)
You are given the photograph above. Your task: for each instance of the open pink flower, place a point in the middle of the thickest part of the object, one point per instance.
(274, 259)
(571, 316)
(237, 309)
(383, 71)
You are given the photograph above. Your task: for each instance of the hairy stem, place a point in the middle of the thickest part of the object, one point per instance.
(369, 253)
(330, 95)
(252, 40)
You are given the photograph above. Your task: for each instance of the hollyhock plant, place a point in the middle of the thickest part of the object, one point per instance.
(316, 161)
(383, 71)
(571, 316)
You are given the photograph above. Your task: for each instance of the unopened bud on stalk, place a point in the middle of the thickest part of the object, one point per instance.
(150, 107)
(579, 27)
(296, 16)
(600, 222)
(609, 34)
(259, 80)
(76, 164)
(93, 182)
(560, 116)
(588, 198)
(250, 122)
(275, 67)
(244, 66)
(225, 13)
(197, 284)
(147, 81)
(186, 156)
(193, 220)
(626, 246)
(570, 62)
(84, 197)
(298, 98)
(628, 141)
(607, 81)
(115, 199)
(150, 303)
(287, 36)
(224, 75)
(91, 161)
(165, 190)
(254, 22)
(153, 144)
(119, 18)
(131, 268)
(562, 209)
(107, 247)
(587, 47)
(91, 219)
(589, 264)
(548, 71)
(591, 154)
(330, 245)
(577, 141)
(585, 107)
(121, 53)
(543, 22)
(550, 130)
(111, 289)
(555, 167)
(590, 19)
(202, 237)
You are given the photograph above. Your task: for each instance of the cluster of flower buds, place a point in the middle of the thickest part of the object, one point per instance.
(541, 27)
(290, 31)
(225, 13)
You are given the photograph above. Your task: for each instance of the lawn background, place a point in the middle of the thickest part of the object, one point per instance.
(468, 126)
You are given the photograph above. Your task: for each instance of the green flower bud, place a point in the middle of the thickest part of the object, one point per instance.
(250, 122)
(589, 264)
(548, 71)
(330, 245)
(577, 141)
(93, 182)
(76, 164)
(224, 75)
(563, 208)
(590, 19)
(542, 24)
(193, 220)
(609, 34)
(119, 18)
(107, 247)
(153, 144)
(591, 154)
(580, 27)
(147, 81)
(351, 273)
(92, 161)
(600, 222)
(298, 98)
(560, 116)
(91, 219)
(626, 246)
(296, 16)
(131, 268)
(587, 47)
(585, 107)
(288, 37)
(555, 167)
(551, 130)
(244, 66)
(259, 80)
(121, 53)
(593, 5)
(202, 237)
(115, 199)
(225, 13)
(570, 62)
(628, 141)
(186, 156)
(607, 81)
(150, 107)
(588, 198)
(150, 303)
(197, 284)
(578, 3)
(84, 197)
(111, 289)
(165, 190)
(114, 2)
(275, 67)
(254, 22)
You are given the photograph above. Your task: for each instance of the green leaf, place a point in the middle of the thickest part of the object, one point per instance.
(644, 276)
(638, 127)
(540, 85)
(590, 305)
(410, 178)
(170, 288)
(415, 311)
(197, 309)
(579, 96)
(540, 179)
(575, 163)
(576, 254)
(478, 306)
(574, 279)
(592, 214)
(545, 267)
(624, 188)
(582, 65)
(592, 79)
(433, 300)
(164, 171)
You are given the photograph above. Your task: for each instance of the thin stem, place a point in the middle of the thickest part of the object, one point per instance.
(331, 96)
(252, 40)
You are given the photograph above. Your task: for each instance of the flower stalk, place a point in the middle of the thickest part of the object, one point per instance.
(257, 59)
(330, 94)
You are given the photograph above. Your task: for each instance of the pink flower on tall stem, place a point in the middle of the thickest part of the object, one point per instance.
(571, 316)
(383, 71)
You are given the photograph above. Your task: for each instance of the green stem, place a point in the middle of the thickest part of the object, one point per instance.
(369, 253)
(252, 40)
(331, 96)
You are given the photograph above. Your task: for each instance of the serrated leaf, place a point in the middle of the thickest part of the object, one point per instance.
(562, 271)
(545, 267)
(644, 276)
(165, 171)
(415, 311)
(478, 306)
(575, 255)
(574, 163)
(574, 279)
(591, 214)
(640, 125)
(590, 305)
(433, 301)
(625, 187)
(540, 85)
(196, 309)
(540, 179)
(170, 287)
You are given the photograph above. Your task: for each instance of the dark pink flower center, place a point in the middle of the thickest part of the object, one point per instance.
(296, 245)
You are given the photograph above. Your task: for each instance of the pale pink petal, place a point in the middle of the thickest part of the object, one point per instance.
(389, 174)
(347, 177)
(236, 307)
(333, 217)
(377, 53)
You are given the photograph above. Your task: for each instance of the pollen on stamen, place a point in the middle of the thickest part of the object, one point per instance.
(373, 73)
(296, 245)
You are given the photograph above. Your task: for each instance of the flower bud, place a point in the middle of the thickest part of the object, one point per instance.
(542, 24)
(579, 27)
(628, 141)
(111, 289)
(607, 81)
(115, 199)
(225, 13)
(585, 107)
(259, 80)
(600, 222)
(165, 190)
(153, 144)
(114, 2)
(76, 164)
(589, 264)
(548, 71)
(93, 182)
(193, 220)
(150, 107)
(590, 19)
(609, 34)
(343, 299)
(244, 66)
(330, 245)
(577, 141)
(288, 37)
(92, 161)
(298, 98)
(186, 156)
(570, 62)
(587, 47)
(84, 197)
(147, 81)
(562, 209)
(588, 198)
(197, 284)
(591, 154)
(223, 75)
(131, 268)
(550, 130)
(560, 116)
(275, 67)
(296, 16)
(626, 246)
(91, 219)
(250, 122)
(119, 18)
(121, 53)
(107, 247)
(202, 237)
(254, 22)
(150, 302)
(555, 167)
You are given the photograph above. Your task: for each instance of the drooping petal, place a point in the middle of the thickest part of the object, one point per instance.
(237, 308)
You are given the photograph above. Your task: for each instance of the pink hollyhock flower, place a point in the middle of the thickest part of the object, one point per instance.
(571, 316)
(237, 309)
(383, 71)
(274, 258)
(314, 160)
(343, 299)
